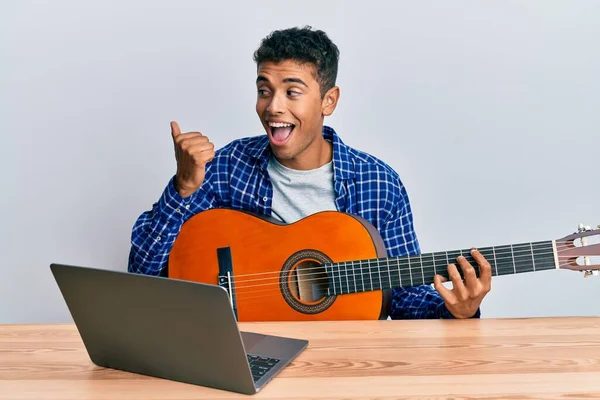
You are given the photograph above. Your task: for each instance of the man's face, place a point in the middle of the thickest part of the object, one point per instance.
(291, 110)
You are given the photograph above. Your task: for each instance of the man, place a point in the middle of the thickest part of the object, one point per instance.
(298, 168)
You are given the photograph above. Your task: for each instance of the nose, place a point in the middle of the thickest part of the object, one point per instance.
(276, 105)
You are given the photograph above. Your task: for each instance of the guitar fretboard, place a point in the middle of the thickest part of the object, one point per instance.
(406, 271)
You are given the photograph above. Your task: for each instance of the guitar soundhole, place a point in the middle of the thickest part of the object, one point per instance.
(304, 282)
(308, 281)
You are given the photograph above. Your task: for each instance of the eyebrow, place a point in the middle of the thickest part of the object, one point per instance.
(286, 80)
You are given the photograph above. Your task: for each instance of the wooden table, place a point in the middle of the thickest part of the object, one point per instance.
(539, 358)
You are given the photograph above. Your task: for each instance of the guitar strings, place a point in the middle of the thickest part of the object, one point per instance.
(405, 258)
(272, 290)
(500, 255)
(275, 281)
(412, 274)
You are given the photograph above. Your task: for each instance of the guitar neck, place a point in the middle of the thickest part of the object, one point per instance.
(406, 271)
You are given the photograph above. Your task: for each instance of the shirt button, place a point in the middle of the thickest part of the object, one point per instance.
(158, 238)
(265, 199)
(187, 206)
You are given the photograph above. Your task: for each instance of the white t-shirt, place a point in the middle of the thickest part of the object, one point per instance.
(297, 194)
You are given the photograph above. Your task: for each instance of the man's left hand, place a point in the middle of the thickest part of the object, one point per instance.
(465, 297)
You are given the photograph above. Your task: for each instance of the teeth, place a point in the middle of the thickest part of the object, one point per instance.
(278, 125)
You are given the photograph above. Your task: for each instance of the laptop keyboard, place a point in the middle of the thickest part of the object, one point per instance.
(260, 365)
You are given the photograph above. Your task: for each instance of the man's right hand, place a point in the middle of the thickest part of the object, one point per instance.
(192, 151)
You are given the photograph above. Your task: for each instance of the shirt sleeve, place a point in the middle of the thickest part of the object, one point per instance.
(155, 230)
(415, 302)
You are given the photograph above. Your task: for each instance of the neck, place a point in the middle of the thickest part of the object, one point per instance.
(406, 271)
(317, 154)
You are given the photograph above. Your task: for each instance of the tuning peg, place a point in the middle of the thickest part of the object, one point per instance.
(584, 228)
(587, 274)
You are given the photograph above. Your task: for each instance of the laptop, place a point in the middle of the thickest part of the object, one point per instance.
(171, 329)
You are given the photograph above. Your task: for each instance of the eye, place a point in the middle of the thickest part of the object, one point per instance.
(263, 92)
(293, 93)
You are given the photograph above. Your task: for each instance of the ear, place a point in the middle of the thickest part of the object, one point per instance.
(330, 101)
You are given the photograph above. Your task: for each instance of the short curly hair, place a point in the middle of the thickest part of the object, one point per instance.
(305, 46)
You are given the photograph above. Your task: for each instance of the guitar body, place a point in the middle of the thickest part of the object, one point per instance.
(276, 269)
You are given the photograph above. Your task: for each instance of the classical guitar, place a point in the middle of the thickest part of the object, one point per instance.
(332, 265)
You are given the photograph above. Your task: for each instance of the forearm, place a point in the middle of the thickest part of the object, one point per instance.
(155, 231)
(419, 302)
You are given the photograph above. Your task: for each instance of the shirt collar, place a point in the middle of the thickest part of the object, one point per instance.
(343, 167)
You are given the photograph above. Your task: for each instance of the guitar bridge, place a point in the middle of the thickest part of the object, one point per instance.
(224, 282)
(225, 277)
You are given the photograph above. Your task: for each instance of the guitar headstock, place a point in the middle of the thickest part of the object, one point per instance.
(576, 253)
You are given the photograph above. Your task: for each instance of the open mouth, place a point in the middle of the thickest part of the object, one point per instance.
(280, 131)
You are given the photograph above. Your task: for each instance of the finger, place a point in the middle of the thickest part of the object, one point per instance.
(175, 131)
(485, 269)
(189, 138)
(203, 157)
(201, 153)
(468, 272)
(457, 283)
(208, 156)
(443, 290)
(188, 141)
(200, 148)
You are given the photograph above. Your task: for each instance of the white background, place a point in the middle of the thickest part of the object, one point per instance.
(488, 110)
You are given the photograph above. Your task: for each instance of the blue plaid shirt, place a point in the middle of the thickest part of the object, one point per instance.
(237, 178)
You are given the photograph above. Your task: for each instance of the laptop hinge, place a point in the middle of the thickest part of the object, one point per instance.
(226, 275)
